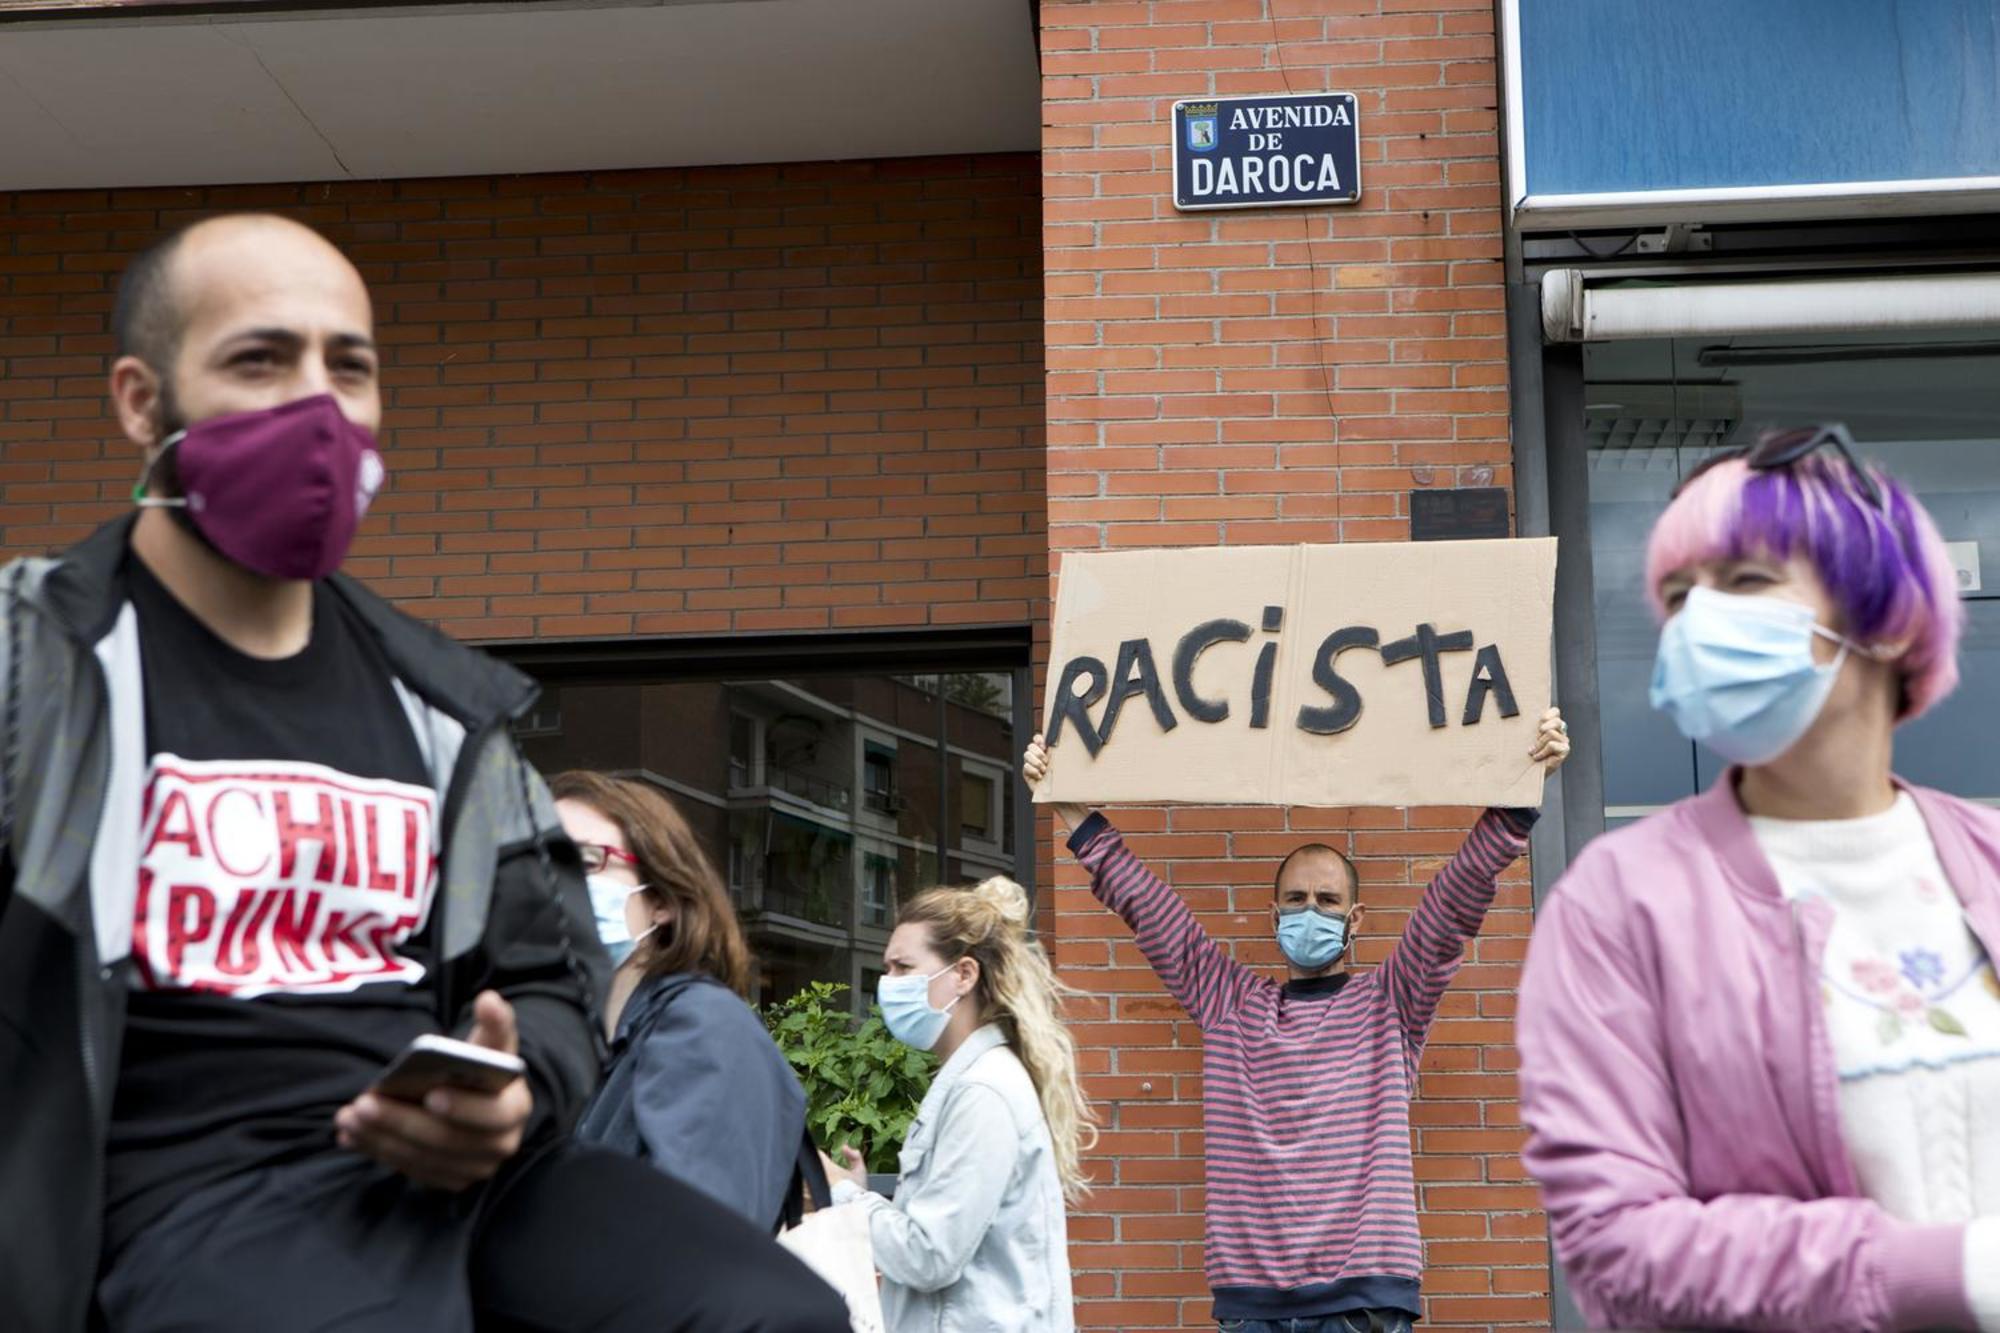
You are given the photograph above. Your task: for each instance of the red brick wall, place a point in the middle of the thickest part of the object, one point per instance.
(811, 396)
(788, 397)
(1277, 376)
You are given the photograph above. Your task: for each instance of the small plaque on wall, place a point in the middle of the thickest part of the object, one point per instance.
(1261, 152)
(1465, 514)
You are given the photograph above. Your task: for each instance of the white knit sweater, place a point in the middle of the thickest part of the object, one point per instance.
(1913, 1009)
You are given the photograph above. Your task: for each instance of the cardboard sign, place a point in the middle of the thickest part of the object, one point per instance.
(1365, 674)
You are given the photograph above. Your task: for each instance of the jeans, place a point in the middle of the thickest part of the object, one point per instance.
(1349, 1321)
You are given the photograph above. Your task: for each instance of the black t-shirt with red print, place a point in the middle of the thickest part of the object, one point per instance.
(281, 942)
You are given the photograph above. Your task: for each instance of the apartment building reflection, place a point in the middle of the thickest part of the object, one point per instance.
(822, 801)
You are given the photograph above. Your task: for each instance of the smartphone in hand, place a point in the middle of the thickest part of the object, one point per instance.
(432, 1061)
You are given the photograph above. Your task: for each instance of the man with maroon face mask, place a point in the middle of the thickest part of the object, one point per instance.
(261, 832)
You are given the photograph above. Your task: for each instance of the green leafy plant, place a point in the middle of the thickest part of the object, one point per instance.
(862, 1085)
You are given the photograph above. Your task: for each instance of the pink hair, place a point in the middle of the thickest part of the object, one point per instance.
(1887, 568)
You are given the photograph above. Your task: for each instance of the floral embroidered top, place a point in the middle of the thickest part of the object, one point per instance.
(1913, 1010)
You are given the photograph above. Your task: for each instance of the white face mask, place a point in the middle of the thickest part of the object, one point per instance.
(607, 903)
(907, 1011)
(1736, 672)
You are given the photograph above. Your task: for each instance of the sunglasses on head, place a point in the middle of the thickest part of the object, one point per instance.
(1778, 449)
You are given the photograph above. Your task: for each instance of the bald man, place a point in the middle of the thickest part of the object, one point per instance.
(1310, 1219)
(262, 832)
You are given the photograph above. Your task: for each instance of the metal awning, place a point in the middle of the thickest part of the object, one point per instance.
(1581, 306)
(248, 93)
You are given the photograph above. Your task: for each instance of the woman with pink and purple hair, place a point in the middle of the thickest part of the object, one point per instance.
(1760, 1030)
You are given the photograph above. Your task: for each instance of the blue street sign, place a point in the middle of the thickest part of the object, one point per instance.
(1256, 152)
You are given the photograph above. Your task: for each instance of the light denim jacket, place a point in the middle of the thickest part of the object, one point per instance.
(975, 1240)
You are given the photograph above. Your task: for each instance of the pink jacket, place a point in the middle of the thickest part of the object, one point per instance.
(1679, 1087)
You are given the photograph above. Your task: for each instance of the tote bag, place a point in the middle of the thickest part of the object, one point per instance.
(833, 1242)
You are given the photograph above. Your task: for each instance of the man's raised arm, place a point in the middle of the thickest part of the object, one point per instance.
(1207, 982)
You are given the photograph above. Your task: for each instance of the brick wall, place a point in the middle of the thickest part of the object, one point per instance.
(767, 398)
(1277, 376)
(811, 396)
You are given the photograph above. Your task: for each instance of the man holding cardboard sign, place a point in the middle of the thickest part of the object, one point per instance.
(1311, 1219)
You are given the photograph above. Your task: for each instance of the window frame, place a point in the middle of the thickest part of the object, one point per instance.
(996, 807)
(1001, 649)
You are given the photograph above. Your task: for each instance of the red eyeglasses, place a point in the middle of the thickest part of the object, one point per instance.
(596, 856)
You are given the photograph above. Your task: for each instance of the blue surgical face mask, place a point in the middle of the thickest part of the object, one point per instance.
(907, 1011)
(607, 903)
(1311, 938)
(1737, 673)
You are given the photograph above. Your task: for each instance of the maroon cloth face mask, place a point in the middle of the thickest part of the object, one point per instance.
(278, 491)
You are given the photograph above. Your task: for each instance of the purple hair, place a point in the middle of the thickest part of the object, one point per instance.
(1886, 569)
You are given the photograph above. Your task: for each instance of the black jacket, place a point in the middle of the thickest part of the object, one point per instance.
(68, 874)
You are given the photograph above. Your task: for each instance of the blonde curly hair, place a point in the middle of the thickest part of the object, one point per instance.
(1018, 990)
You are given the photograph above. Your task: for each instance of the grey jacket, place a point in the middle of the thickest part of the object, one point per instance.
(68, 879)
(976, 1240)
(697, 1087)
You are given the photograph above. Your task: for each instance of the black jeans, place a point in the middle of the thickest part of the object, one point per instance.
(574, 1239)
(1350, 1321)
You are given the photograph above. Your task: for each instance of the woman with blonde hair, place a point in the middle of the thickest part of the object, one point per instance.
(695, 1084)
(976, 1237)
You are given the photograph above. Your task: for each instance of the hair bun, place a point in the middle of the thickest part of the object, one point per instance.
(1006, 898)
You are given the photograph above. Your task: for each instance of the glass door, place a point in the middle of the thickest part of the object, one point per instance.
(1927, 408)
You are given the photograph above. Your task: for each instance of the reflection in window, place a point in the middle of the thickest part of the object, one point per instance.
(823, 800)
(743, 750)
(878, 780)
(1924, 406)
(976, 806)
(878, 890)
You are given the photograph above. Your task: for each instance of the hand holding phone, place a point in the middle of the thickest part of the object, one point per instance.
(447, 1114)
(432, 1061)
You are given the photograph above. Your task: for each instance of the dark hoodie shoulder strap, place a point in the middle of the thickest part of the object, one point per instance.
(808, 1178)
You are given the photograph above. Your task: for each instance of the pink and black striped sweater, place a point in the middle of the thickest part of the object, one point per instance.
(1312, 1204)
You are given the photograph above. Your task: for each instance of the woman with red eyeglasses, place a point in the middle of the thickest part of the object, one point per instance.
(695, 1084)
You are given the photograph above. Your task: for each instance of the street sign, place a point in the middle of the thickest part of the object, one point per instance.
(1260, 152)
